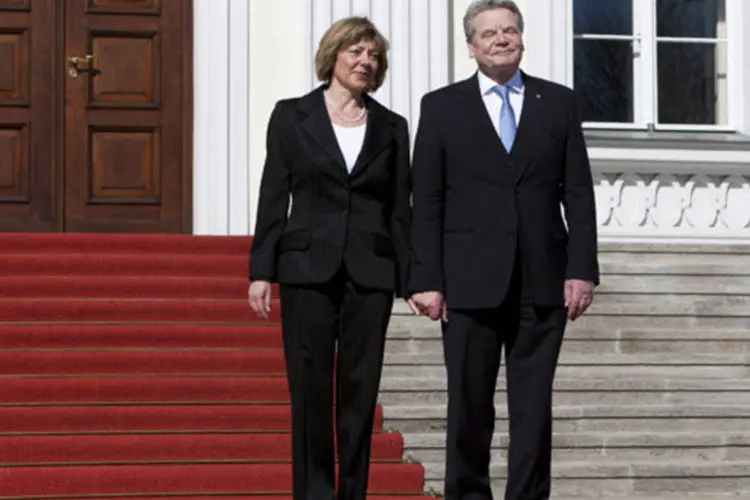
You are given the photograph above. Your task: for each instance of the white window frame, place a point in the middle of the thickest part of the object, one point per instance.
(645, 91)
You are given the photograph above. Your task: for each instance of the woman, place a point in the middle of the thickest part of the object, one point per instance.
(340, 254)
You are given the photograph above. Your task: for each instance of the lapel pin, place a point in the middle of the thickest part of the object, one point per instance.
(539, 96)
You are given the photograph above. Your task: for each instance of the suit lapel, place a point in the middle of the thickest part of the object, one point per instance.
(377, 136)
(531, 116)
(481, 123)
(318, 124)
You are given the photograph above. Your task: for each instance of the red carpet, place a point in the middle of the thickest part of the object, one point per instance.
(132, 367)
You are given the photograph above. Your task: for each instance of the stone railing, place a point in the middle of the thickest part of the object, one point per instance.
(672, 192)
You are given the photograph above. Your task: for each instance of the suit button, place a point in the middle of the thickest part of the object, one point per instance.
(511, 234)
(345, 213)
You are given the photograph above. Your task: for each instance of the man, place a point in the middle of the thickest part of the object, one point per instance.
(495, 156)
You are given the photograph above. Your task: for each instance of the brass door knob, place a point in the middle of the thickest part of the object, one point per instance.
(78, 65)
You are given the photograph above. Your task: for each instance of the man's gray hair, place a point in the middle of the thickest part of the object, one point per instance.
(478, 6)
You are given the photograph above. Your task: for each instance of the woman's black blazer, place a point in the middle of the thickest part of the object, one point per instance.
(314, 216)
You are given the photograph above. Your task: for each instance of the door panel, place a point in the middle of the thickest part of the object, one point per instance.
(28, 198)
(125, 163)
(124, 6)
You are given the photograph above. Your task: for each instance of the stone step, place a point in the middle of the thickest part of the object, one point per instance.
(499, 492)
(623, 446)
(603, 344)
(605, 441)
(431, 364)
(677, 249)
(609, 304)
(409, 326)
(417, 335)
(570, 398)
(674, 284)
(583, 371)
(588, 384)
(727, 417)
(614, 360)
(674, 263)
(720, 309)
(641, 321)
(580, 454)
(418, 390)
(602, 478)
(676, 342)
(414, 327)
(629, 397)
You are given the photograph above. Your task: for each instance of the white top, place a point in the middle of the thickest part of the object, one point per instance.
(350, 142)
(494, 103)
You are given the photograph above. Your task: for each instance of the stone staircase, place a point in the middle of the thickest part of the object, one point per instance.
(652, 393)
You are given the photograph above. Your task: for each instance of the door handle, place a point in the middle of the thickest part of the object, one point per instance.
(78, 65)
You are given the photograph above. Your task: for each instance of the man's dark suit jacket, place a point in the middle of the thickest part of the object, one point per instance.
(360, 219)
(475, 204)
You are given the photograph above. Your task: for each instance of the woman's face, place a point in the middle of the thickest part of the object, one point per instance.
(356, 66)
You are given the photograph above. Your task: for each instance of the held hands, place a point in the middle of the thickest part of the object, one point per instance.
(430, 304)
(579, 295)
(259, 298)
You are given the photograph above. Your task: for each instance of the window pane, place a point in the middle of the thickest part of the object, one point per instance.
(690, 18)
(604, 80)
(603, 17)
(692, 82)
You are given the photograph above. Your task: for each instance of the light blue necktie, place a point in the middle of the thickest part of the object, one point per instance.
(507, 118)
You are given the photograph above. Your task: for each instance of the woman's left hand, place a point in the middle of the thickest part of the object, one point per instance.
(259, 298)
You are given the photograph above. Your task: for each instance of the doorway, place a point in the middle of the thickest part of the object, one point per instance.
(96, 116)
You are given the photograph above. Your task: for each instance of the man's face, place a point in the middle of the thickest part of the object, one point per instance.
(497, 41)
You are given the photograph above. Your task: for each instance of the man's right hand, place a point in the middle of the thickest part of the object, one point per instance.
(430, 304)
(259, 298)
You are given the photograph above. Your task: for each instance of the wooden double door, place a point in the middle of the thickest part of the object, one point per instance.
(96, 115)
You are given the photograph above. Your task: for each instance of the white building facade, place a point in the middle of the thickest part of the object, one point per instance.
(659, 82)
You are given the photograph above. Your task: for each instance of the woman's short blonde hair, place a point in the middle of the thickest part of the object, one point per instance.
(343, 34)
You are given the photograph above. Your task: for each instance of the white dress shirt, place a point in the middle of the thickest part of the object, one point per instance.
(350, 141)
(494, 103)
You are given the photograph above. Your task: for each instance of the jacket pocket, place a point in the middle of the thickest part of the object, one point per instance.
(295, 240)
(382, 245)
(457, 230)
